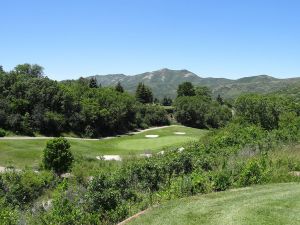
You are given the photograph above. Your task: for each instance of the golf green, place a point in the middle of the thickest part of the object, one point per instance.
(22, 152)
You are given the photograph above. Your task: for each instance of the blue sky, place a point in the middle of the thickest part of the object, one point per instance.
(217, 38)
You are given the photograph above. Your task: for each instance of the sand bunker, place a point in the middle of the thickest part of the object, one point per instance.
(66, 175)
(180, 149)
(146, 155)
(180, 133)
(152, 136)
(5, 169)
(2, 169)
(109, 157)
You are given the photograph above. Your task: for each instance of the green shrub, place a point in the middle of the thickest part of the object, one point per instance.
(201, 183)
(57, 155)
(67, 208)
(2, 132)
(264, 110)
(8, 215)
(151, 115)
(253, 173)
(222, 181)
(20, 188)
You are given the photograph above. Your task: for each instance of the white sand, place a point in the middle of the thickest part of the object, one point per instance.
(180, 149)
(146, 155)
(66, 175)
(109, 157)
(152, 136)
(180, 133)
(4, 169)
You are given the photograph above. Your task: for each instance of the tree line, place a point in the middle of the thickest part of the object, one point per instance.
(31, 103)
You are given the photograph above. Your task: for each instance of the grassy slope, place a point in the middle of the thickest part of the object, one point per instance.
(28, 152)
(262, 205)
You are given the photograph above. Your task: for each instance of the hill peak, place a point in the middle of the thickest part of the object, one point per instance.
(258, 78)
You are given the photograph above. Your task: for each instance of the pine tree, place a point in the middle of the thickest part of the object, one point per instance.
(93, 83)
(220, 100)
(144, 94)
(119, 88)
(167, 101)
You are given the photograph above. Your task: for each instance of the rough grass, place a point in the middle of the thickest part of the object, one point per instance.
(258, 205)
(21, 153)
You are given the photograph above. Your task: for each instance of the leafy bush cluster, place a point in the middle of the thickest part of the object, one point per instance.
(21, 188)
(33, 103)
(2, 132)
(264, 110)
(194, 107)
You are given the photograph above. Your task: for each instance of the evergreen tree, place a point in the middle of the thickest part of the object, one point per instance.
(220, 100)
(167, 101)
(119, 88)
(144, 94)
(93, 83)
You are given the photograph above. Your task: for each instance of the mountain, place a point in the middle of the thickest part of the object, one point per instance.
(292, 90)
(164, 82)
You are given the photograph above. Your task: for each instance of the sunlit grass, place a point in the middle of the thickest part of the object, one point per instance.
(21, 153)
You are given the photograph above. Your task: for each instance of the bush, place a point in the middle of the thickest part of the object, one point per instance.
(152, 115)
(2, 132)
(20, 188)
(201, 183)
(8, 215)
(57, 155)
(201, 112)
(222, 181)
(264, 110)
(253, 173)
(67, 208)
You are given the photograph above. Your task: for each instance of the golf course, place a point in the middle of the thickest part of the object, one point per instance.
(21, 152)
(263, 204)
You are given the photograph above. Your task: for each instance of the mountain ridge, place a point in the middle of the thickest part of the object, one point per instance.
(164, 82)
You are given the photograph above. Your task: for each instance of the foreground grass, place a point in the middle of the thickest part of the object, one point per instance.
(262, 205)
(21, 153)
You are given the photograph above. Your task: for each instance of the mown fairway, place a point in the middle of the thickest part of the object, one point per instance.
(20, 153)
(259, 205)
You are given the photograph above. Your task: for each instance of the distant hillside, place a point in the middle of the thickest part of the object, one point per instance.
(292, 90)
(164, 82)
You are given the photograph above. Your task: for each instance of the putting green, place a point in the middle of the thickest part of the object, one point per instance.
(152, 143)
